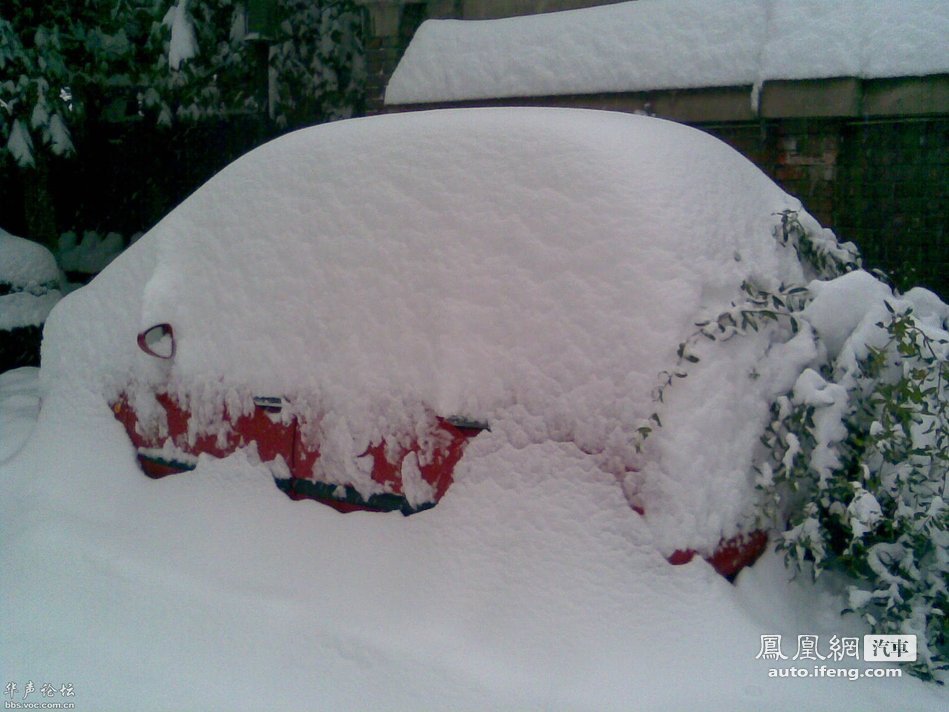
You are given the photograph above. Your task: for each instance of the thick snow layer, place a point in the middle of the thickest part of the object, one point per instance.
(711, 424)
(25, 264)
(533, 268)
(671, 44)
(814, 39)
(847, 312)
(30, 277)
(630, 46)
(531, 586)
(841, 304)
(25, 309)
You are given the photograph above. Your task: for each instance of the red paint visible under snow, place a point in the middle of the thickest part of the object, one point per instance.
(731, 555)
(279, 435)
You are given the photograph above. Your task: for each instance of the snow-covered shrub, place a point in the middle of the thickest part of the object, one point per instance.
(858, 465)
(820, 253)
(201, 62)
(36, 54)
(29, 288)
(89, 254)
(853, 463)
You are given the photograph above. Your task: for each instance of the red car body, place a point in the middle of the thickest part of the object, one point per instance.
(172, 442)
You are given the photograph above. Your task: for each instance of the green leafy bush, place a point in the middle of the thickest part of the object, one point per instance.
(858, 469)
(854, 463)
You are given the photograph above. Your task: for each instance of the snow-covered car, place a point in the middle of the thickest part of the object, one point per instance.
(29, 287)
(359, 300)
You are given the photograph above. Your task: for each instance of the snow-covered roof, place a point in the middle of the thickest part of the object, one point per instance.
(671, 44)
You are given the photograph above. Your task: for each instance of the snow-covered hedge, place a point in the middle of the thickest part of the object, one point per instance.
(852, 463)
(858, 455)
(29, 288)
(89, 254)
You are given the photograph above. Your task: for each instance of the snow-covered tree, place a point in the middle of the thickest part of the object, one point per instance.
(60, 63)
(50, 54)
(67, 63)
(317, 62)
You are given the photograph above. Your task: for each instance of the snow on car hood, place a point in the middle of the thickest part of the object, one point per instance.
(535, 268)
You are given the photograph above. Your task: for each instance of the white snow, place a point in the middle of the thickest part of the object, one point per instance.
(19, 407)
(665, 44)
(24, 309)
(847, 311)
(864, 512)
(183, 44)
(931, 311)
(532, 268)
(26, 264)
(30, 273)
(91, 254)
(532, 585)
(20, 145)
(830, 403)
(59, 137)
(711, 423)
(841, 304)
(39, 118)
(520, 267)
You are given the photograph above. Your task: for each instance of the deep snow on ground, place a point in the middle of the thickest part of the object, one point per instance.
(19, 390)
(532, 584)
(670, 44)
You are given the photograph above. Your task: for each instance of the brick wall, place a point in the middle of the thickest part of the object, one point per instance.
(391, 27)
(801, 155)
